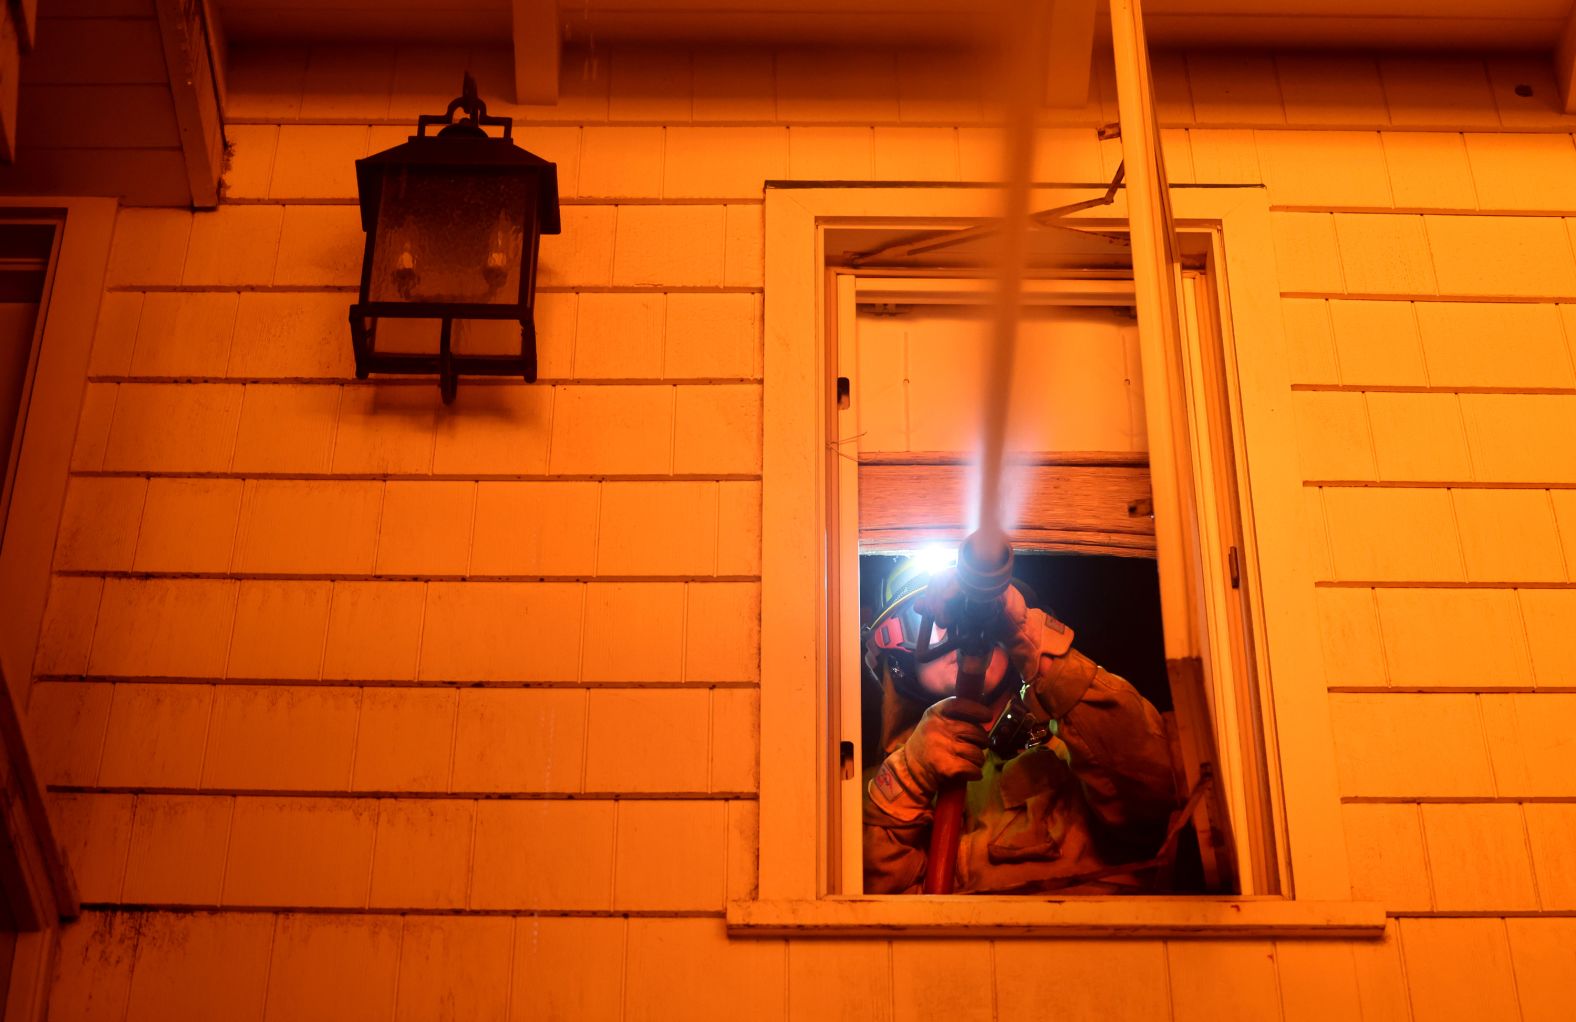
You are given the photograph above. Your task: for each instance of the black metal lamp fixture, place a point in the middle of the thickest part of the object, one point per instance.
(453, 224)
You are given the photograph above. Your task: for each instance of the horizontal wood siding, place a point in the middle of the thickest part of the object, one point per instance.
(485, 676)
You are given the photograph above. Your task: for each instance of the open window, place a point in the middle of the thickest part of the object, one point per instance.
(906, 346)
(1236, 602)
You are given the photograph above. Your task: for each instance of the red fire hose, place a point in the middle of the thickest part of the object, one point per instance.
(984, 572)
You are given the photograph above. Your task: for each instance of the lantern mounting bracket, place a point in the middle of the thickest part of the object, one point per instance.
(476, 116)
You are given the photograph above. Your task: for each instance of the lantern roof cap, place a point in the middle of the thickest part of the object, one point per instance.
(481, 155)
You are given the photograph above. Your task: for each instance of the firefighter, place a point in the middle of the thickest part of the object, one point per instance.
(1068, 768)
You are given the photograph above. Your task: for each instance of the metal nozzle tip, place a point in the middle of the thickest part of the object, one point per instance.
(985, 564)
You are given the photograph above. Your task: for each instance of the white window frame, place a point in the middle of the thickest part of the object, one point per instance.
(1220, 725)
(798, 750)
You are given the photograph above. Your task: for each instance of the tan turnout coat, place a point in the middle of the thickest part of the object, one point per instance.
(1098, 793)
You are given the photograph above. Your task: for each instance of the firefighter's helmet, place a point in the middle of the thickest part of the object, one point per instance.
(893, 636)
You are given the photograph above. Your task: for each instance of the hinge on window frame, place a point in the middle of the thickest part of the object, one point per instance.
(1236, 571)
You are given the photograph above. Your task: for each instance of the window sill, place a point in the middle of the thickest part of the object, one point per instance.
(985, 916)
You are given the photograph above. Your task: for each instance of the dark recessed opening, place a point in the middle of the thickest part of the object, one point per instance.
(1113, 606)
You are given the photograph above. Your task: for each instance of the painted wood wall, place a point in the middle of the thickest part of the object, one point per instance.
(356, 707)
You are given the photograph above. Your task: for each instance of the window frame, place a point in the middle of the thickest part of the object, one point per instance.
(41, 883)
(1214, 677)
(796, 592)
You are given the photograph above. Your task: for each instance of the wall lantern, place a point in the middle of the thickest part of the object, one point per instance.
(453, 223)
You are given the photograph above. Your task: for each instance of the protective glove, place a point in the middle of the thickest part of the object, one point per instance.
(947, 744)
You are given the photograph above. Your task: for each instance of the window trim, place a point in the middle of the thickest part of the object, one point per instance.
(795, 660)
(53, 404)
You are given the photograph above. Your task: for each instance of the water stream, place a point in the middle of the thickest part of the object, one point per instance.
(1026, 36)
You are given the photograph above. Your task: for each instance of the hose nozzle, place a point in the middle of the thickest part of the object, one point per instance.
(984, 566)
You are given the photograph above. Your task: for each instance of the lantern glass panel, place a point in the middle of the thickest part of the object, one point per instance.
(450, 236)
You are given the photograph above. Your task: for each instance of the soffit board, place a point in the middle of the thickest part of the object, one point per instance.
(1387, 24)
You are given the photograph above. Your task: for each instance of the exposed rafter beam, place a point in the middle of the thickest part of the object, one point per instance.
(1565, 64)
(191, 59)
(537, 41)
(1072, 47)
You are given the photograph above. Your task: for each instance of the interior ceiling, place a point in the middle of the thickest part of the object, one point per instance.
(1051, 248)
(1532, 25)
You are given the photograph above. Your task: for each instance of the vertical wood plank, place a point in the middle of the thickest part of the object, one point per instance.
(793, 649)
(1154, 277)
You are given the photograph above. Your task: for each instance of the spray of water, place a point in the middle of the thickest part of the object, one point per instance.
(1026, 28)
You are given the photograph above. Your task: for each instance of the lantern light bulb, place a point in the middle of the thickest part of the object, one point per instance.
(496, 269)
(405, 272)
